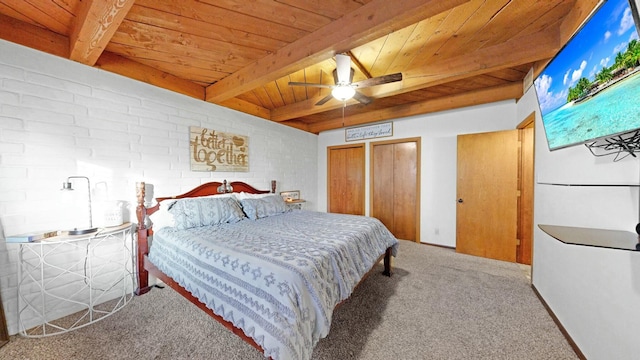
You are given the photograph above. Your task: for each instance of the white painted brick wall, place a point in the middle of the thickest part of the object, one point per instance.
(59, 118)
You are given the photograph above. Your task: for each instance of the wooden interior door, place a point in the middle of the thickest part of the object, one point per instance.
(487, 193)
(345, 172)
(395, 186)
(525, 205)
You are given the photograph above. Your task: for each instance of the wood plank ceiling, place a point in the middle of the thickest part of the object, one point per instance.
(243, 54)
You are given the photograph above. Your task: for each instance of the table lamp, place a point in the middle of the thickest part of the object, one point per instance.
(68, 186)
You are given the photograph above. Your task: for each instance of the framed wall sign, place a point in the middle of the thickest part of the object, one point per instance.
(369, 131)
(290, 195)
(212, 150)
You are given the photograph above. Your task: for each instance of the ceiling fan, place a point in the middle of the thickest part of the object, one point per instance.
(344, 89)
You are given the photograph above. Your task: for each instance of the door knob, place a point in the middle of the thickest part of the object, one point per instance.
(460, 201)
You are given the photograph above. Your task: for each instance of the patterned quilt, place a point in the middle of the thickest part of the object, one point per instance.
(277, 278)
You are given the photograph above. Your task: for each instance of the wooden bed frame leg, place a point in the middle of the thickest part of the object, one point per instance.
(143, 244)
(387, 263)
(143, 274)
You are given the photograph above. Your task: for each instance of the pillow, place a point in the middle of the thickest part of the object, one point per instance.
(256, 208)
(245, 195)
(204, 211)
(277, 202)
(231, 195)
(162, 217)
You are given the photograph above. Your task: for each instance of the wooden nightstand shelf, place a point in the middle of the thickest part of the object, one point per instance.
(295, 204)
(67, 282)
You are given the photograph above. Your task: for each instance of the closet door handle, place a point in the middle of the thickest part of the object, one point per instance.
(460, 201)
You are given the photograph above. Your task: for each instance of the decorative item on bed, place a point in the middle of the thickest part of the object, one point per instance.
(271, 276)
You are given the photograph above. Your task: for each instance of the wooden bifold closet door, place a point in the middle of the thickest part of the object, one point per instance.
(395, 190)
(346, 179)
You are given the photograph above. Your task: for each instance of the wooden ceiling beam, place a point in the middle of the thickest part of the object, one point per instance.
(497, 93)
(120, 65)
(32, 36)
(306, 107)
(355, 61)
(369, 22)
(94, 26)
(517, 51)
(247, 108)
(522, 50)
(298, 125)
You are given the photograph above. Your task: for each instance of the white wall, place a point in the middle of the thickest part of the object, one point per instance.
(438, 133)
(594, 292)
(59, 118)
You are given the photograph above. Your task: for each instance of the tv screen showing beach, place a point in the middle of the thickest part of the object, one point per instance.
(591, 89)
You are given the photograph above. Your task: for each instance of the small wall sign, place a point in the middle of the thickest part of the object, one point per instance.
(290, 196)
(213, 150)
(369, 132)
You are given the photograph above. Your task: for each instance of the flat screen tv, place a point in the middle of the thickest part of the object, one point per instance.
(591, 89)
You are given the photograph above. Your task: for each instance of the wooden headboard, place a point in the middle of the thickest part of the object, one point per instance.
(206, 189)
(214, 188)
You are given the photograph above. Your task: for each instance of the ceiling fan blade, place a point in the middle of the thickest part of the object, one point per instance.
(343, 67)
(294, 83)
(324, 99)
(363, 99)
(378, 80)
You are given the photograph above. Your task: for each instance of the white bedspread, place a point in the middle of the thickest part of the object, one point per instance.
(277, 278)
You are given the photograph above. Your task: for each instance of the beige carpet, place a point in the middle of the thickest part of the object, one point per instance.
(438, 305)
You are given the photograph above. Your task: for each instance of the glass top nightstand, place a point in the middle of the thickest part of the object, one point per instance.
(67, 282)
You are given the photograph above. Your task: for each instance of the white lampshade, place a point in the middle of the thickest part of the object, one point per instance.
(343, 92)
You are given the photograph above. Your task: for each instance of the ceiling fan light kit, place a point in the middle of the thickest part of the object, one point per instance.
(343, 92)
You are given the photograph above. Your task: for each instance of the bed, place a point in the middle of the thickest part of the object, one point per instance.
(271, 275)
